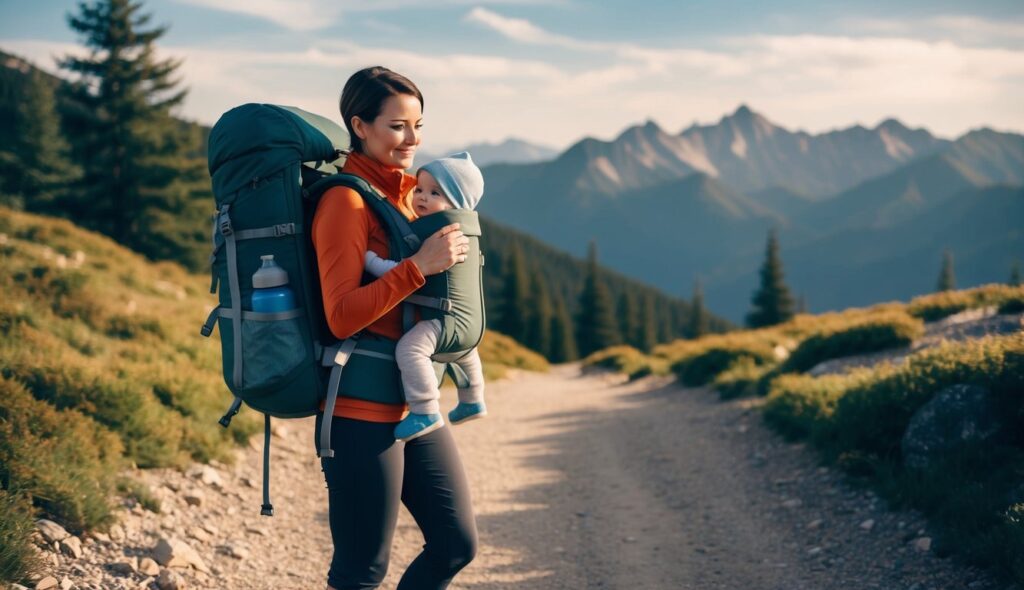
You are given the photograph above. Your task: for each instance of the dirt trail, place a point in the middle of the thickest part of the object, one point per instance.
(579, 481)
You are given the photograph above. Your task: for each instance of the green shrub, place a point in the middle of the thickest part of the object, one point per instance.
(63, 460)
(740, 380)
(869, 334)
(800, 405)
(137, 491)
(872, 416)
(939, 305)
(702, 368)
(18, 558)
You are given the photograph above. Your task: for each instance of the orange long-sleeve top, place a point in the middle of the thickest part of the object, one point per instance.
(343, 229)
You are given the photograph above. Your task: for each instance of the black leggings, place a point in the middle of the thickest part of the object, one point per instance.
(367, 476)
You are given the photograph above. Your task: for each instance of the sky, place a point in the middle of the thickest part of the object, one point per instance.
(555, 71)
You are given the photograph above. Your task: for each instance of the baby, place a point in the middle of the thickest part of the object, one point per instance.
(446, 183)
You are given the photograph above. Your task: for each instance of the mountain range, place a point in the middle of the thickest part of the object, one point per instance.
(669, 208)
(511, 151)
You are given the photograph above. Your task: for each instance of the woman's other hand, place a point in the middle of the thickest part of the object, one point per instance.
(440, 251)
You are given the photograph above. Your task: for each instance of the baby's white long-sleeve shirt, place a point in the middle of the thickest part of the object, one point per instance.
(376, 265)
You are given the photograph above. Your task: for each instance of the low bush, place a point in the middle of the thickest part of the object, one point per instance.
(740, 380)
(61, 459)
(18, 558)
(939, 305)
(872, 416)
(626, 359)
(704, 367)
(860, 336)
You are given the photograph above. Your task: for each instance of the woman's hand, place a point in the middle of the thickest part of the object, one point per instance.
(440, 251)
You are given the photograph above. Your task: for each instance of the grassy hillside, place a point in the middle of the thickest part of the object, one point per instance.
(102, 367)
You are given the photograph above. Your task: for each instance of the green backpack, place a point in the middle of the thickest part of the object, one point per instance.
(269, 166)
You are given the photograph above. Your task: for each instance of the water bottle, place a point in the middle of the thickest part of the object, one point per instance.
(271, 293)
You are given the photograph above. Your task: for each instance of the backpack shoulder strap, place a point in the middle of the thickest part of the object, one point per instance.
(404, 242)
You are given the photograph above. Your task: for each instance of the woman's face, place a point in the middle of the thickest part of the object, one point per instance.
(392, 137)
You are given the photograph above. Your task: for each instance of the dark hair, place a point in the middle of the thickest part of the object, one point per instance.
(364, 95)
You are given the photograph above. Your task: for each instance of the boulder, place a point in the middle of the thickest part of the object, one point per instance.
(171, 552)
(957, 416)
(51, 531)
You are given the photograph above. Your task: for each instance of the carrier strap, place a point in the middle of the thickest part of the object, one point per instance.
(271, 231)
(442, 303)
(224, 222)
(459, 376)
(260, 316)
(267, 509)
(339, 356)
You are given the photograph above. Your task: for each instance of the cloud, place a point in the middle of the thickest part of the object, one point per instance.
(579, 87)
(312, 15)
(294, 15)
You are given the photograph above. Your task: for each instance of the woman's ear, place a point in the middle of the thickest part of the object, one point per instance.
(358, 127)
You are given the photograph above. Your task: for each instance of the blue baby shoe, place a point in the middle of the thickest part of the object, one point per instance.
(464, 412)
(415, 425)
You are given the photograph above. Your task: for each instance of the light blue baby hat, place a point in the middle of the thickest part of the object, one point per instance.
(460, 179)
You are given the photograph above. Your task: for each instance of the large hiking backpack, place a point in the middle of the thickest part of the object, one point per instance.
(269, 166)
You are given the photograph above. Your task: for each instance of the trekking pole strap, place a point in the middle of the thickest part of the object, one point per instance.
(267, 509)
(225, 420)
(340, 354)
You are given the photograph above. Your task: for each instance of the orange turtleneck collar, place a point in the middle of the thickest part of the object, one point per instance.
(393, 183)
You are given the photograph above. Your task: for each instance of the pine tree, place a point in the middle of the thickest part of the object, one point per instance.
(947, 279)
(541, 312)
(596, 327)
(563, 341)
(698, 324)
(649, 325)
(629, 319)
(772, 302)
(513, 320)
(143, 184)
(1015, 274)
(36, 168)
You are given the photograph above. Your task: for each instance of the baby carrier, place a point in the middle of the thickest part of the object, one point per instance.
(269, 166)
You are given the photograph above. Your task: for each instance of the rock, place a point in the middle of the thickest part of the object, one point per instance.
(171, 552)
(815, 524)
(101, 537)
(72, 547)
(195, 498)
(210, 528)
(51, 531)
(46, 583)
(249, 482)
(169, 580)
(867, 525)
(814, 551)
(125, 568)
(172, 485)
(116, 533)
(149, 567)
(66, 583)
(209, 476)
(923, 544)
(957, 416)
(237, 552)
(793, 503)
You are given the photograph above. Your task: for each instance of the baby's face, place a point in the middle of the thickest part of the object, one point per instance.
(428, 197)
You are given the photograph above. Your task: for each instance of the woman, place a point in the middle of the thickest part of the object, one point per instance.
(370, 472)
